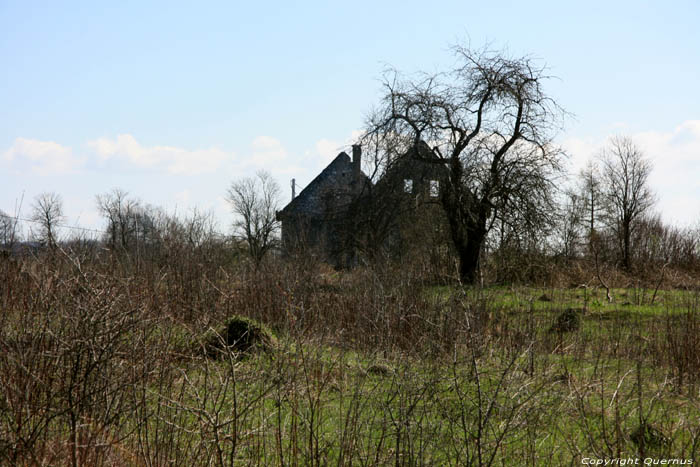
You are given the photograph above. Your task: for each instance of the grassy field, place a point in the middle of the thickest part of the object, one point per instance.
(111, 362)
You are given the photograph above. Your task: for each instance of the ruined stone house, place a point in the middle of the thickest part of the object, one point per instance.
(314, 222)
(342, 213)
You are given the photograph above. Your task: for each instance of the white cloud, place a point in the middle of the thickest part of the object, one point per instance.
(43, 157)
(581, 151)
(267, 151)
(675, 156)
(269, 154)
(183, 196)
(327, 149)
(355, 136)
(172, 159)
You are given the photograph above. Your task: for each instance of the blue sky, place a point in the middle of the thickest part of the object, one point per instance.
(172, 101)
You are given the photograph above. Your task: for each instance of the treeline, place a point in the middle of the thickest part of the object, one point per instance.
(602, 223)
(605, 219)
(130, 226)
(581, 237)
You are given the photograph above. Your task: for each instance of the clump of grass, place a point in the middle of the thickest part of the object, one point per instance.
(568, 321)
(379, 369)
(239, 335)
(648, 436)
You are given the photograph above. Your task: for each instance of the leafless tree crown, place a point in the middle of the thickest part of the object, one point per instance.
(626, 190)
(47, 212)
(255, 201)
(119, 211)
(7, 229)
(490, 121)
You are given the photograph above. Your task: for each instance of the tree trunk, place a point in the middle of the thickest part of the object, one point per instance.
(626, 240)
(469, 259)
(468, 238)
(467, 215)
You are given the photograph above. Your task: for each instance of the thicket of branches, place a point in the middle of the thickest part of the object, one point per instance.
(587, 229)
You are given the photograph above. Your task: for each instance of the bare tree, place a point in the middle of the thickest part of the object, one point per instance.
(491, 123)
(6, 229)
(626, 191)
(198, 228)
(573, 211)
(591, 196)
(255, 201)
(47, 211)
(119, 211)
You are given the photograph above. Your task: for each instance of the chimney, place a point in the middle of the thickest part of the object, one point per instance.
(356, 160)
(294, 189)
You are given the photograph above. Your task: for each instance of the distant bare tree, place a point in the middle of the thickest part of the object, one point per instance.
(6, 229)
(626, 191)
(198, 228)
(255, 201)
(47, 211)
(119, 211)
(573, 211)
(591, 197)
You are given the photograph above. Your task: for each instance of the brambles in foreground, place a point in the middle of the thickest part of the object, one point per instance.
(369, 368)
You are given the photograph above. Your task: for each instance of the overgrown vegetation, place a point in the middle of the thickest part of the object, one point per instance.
(104, 361)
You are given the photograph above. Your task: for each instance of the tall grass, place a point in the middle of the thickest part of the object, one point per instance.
(103, 362)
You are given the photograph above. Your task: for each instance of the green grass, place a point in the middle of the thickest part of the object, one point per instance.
(328, 408)
(360, 376)
(634, 300)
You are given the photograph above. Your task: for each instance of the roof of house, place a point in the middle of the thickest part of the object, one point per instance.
(338, 171)
(338, 176)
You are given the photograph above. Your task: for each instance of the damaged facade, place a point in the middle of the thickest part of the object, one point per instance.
(342, 215)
